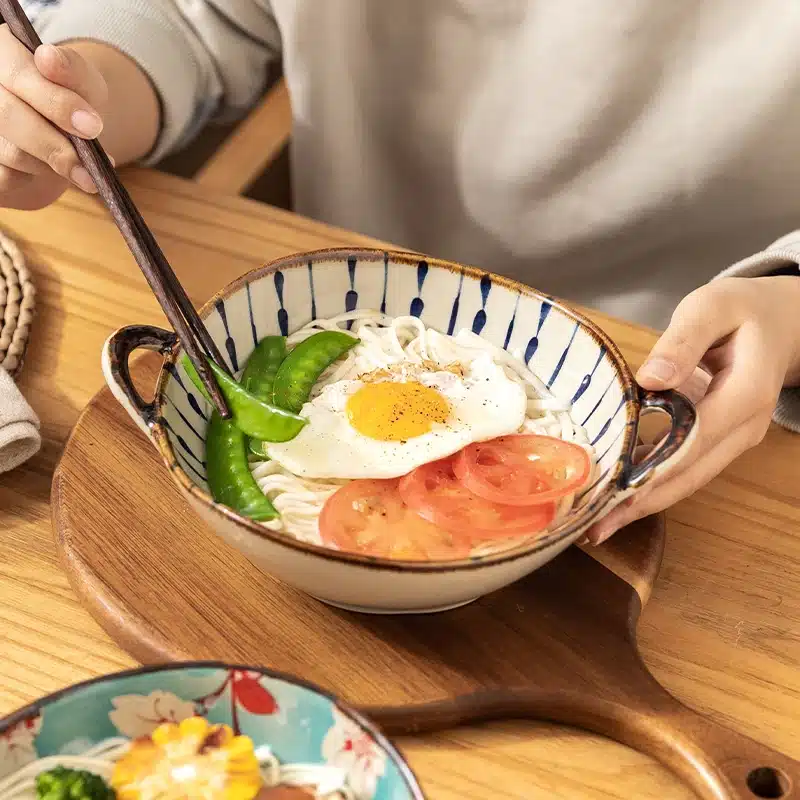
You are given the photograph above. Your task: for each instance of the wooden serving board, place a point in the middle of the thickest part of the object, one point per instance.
(559, 645)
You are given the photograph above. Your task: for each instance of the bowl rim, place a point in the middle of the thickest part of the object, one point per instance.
(570, 526)
(37, 706)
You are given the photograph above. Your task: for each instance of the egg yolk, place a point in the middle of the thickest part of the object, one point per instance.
(396, 412)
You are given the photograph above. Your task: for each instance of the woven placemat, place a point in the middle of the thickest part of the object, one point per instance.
(17, 305)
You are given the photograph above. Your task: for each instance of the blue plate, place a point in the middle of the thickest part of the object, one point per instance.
(300, 722)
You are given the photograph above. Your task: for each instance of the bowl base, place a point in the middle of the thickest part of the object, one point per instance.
(394, 611)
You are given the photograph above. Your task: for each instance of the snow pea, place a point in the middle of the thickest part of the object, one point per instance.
(258, 448)
(228, 471)
(301, 369)
(259, 373)
(256, 418)
(227, 466)
(258, 378)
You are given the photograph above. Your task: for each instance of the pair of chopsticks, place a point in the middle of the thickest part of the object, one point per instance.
(151, 260)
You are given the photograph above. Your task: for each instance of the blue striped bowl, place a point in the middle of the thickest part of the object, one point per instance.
(576, 360)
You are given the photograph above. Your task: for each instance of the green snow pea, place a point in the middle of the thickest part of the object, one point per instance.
(252, 416)
(227, 466)
(301, 369)
(258, 448)
(228, 471)
(258, 378)
(259, 373)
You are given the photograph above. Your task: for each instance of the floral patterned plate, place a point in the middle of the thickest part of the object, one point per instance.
(300, 722)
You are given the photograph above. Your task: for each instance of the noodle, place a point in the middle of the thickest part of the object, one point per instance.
(386, 341)
(329, 782)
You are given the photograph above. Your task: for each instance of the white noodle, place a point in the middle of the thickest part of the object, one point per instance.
(386, 341)
(329, 782)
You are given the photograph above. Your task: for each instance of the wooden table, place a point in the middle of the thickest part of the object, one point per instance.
(722, 630)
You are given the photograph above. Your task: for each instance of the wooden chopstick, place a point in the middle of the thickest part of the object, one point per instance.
(148, 255)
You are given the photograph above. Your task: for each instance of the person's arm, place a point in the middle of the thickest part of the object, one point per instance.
(144, 75)
(132, 111)
(186, 63)
(781, 258)
(141, 74)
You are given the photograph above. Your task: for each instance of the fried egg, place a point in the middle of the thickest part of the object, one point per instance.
(391, 421)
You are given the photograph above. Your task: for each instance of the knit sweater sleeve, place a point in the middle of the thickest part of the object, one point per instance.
(205, 58)
(780, 258)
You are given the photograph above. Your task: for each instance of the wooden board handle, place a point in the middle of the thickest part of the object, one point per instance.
(718, 763)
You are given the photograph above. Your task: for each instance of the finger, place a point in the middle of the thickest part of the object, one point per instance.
(11, 180)
(726, 407)
(734, 396)
(710, 426)
(639, 453)
(696, 386)
(61, 106)
(716, 359)
(16, 159)
(700, 321)
(68, 68)
(30, 132)
(30, 193)
(682, 485)
(655, 425)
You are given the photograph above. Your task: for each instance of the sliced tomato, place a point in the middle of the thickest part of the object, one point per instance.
(523, 470)
(370, 517)
(436, 494)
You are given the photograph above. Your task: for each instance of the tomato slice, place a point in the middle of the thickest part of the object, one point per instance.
(370, 518)
(523, 470)
(436, 494)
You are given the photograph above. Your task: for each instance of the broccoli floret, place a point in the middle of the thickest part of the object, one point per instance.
(62, 783)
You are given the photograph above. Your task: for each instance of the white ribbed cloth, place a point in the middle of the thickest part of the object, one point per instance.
(19, 426)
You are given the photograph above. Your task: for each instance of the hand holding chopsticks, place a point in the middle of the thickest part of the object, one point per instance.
(151, 260)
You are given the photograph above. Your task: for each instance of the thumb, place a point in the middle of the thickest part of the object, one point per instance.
(68, 68)
(700, 321)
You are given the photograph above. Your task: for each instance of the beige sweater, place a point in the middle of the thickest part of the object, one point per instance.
(618, 154)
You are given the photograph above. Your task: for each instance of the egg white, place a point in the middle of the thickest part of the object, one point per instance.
(484, 404)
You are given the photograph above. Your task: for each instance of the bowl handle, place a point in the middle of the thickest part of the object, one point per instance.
(683, 415)
(116, 355)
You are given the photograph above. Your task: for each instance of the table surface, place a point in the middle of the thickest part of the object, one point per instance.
(721, 631)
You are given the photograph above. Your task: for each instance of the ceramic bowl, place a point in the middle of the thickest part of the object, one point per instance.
(301, 723)
(571, 355)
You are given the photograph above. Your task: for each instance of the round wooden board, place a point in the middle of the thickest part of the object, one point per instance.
(557, 645)
(166, 587)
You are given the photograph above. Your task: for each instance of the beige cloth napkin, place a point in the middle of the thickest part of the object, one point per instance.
(19, 426)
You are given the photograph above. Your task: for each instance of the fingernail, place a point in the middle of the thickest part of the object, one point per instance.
(113, 161)
(83, 180)
(583, 541)
(87, 123)
(657, 369)
(52, 51)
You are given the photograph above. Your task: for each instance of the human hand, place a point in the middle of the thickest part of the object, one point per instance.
(731, 346)
(42, 95)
